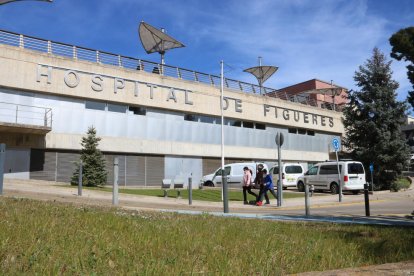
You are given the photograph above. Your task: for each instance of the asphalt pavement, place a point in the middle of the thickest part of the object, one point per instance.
(386, 208)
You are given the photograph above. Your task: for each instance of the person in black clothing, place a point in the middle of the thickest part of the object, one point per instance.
(259, 180)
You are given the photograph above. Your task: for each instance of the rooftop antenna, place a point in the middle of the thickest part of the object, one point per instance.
(261, 72)
(154, 40)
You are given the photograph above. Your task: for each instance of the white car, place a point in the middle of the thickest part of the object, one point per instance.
(290, 174)
(234, 174)
(324, 176)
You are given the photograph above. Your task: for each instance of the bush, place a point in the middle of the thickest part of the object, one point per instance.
(400, 183)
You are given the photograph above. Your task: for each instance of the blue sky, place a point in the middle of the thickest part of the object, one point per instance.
(306, 39)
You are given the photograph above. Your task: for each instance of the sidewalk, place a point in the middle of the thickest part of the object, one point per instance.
(292, 209)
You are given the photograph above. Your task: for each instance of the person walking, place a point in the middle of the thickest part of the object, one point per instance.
(268, 186)
(259, 181)
(247, 184)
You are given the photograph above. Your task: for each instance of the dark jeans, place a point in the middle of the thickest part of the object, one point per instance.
(263, 192)
(249, 190)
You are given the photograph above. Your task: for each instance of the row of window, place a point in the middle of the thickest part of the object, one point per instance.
(138, 110)
(301, 131)
(227, 122)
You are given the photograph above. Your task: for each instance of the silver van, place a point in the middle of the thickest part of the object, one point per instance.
(234, 174)
(324, 176)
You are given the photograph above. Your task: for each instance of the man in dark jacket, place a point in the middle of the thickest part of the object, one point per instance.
(267, 186)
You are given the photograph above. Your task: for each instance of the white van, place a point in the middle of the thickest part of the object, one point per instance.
(290, 174)
(234, 173)
(324, 176)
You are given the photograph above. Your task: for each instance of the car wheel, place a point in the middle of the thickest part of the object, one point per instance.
(301, 186)
(334, 188)
(209, 184)
(355, 192)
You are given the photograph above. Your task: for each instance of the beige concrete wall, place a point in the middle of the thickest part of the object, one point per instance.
(49, 74)
(23, 69)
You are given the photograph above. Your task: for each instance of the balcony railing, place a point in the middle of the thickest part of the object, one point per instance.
(25, 115)
(102, 57)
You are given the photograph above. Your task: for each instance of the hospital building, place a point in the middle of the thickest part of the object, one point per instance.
(159, 120)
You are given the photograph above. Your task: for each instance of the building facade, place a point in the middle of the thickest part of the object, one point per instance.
(160, 121)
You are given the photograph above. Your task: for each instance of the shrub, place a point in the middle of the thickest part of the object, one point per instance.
(400, 183)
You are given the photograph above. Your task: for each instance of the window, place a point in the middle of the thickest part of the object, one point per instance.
(293, 169)
(237, 123)
(137, 110)
(232, 122)
(302, 131)
(260, 126)
(95, 105)
(330, 169)
(248, 124)
(190, 117)
(117, 108)
(311, 132)
(313, 171)
(276, 170)
(355, 168)
(292, 130)
(207, 119)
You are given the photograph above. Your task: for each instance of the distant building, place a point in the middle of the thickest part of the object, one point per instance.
(314, 92)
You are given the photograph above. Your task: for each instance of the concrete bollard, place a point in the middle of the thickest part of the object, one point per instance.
(307, 208)
(115, 187)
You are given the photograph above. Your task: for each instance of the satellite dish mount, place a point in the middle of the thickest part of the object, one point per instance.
(261, 72)
(156, 41)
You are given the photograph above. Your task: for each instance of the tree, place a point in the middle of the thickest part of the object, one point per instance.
(402, 43)
(93, 164)
(373, 119)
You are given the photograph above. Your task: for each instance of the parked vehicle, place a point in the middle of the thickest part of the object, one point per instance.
(233, 172)
(324, 176)
(290, 174)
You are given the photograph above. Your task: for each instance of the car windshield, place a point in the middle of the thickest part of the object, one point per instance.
(355, 168)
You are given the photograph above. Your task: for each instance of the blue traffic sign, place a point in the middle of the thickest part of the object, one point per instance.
(371, 167)
(336, 144)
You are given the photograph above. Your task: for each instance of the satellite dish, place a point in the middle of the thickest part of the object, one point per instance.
(262, 73)
(8, 1)
(156, 41)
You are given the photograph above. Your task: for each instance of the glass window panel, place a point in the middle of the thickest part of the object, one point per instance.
(95, 105)
(117, 108)
(301, 131)
(190, 117)
(248, 124)
(293, 130)
(260, 126)
(207, 119)
(137, 110)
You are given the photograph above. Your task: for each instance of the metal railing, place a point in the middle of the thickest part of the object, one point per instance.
(25, 114)
(102, 57)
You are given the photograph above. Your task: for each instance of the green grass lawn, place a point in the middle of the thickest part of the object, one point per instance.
(49, 238)
(205, 194)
